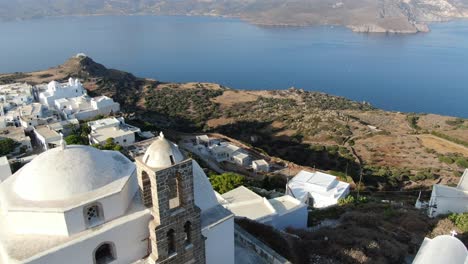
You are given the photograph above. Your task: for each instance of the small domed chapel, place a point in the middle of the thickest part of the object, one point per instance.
(77, 204)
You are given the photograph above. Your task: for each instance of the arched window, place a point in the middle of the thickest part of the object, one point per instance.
(175, 192)
(93, 214)
(188, 233)
(105, 253)
(171, 247)
(146, 190)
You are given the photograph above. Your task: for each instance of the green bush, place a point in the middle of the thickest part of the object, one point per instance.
(226, 182)
(460, 220)
(462, 163)
(7, 145)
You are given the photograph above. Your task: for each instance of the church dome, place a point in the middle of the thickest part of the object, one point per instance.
(60, 174)
(162, 153)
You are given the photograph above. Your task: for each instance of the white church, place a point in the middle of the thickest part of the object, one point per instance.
(56, 90)
(77, 204)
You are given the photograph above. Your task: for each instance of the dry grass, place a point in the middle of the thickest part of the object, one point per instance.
(231, 97)
(441, 145)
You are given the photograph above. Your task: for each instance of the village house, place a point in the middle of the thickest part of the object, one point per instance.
(15, 94)
(317, 189)
(445, 199)
(33, 115)
(260, 166)
(230, 153)
(281, 212)
(85, 107)
(17, 135)
(115, 128)
(55, 90)
(46, 137)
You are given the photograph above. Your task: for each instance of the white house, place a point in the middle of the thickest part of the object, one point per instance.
(442, 249)
(32, 115)
(15, 94)
(5, 170)
(260, 165)
(17, 134)
(46, 137)
(445, 199)
(116, 128)
(317, 189)
(98, 207)
(241, 158)
(85, 107)
(281, 212)
(55, 91)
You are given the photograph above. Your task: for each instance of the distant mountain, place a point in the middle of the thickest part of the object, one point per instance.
(401, 16)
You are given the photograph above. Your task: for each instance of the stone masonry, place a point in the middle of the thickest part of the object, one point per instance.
(157, 188)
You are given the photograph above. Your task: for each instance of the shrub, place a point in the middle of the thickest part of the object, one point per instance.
(227, 181)
(7, 145)
(460, 220)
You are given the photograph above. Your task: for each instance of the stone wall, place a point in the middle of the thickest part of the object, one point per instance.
(265, 252)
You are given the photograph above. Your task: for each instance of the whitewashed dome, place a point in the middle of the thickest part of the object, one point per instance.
(61, 174)
(442, 249)
(162, 153)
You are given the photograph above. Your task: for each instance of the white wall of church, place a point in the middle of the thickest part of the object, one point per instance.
(43, 223)
(219, 243)
(129, 238)
(113, 206)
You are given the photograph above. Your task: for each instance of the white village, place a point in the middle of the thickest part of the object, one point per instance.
(126, 195)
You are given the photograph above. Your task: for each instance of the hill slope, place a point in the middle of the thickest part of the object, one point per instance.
(394, 150)
(402, 16)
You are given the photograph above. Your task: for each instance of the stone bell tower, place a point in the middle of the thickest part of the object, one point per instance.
(166, 185)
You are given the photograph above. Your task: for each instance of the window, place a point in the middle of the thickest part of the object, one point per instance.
(105, 253)
(93, 215)
(172, 160)
(124, 140)
(174, 191)
(146, 190)
(188, 233)
(171, 248)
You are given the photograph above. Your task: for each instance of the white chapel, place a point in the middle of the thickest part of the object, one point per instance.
(77, 204)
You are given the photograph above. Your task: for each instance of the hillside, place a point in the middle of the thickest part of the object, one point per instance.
(400, 16)
(394, 150)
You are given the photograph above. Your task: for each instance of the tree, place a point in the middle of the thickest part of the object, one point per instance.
(227, 181)
(74, 140)
(7, 145)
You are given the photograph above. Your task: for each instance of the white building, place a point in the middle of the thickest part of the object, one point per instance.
(442, 249)
(32, 115)
(445, 199)
(85, 107)
(17, 134)
(241, 158)
(46, 137)
(116, 128)
(15, 94)
(231, 153)
(5, 170)
(317, 189)
(98, 207)
(260, 166)
(55, 91)
(66, 127)
(281, 212)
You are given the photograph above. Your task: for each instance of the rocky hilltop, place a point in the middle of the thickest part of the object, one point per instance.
(393, 16)
(393, 150)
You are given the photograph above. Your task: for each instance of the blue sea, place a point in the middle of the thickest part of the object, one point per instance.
(426, 72)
